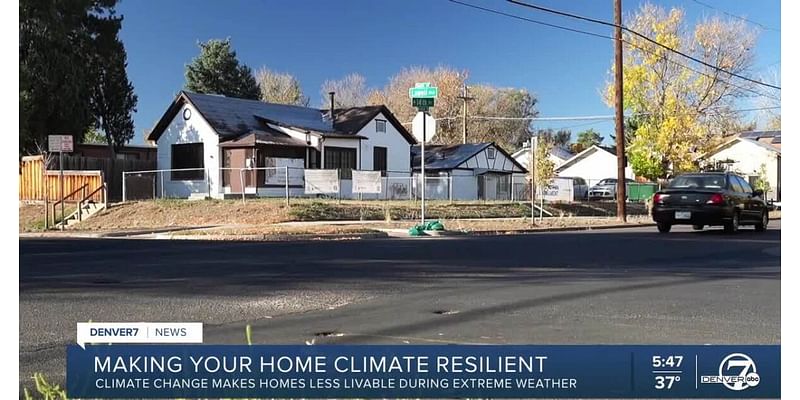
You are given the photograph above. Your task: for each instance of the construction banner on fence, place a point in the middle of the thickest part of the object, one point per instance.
(559, 189)
(321, 181)
(366, 181)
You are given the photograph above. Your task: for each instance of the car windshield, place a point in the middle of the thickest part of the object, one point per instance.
(607, 182)
(699, 182)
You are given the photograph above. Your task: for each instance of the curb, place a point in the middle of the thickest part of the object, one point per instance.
(164, 234)
(271, 238)
(559, 229)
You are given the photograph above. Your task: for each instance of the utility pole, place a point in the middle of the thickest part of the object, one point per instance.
(532, 168)
(465, 97)
(620, 128)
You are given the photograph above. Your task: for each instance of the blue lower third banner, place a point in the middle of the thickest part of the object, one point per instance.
(277, 371)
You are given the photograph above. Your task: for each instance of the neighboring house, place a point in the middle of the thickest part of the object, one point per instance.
(477, 171)
(745, 155)
(593, 164)
(211, 138)
(558, 155)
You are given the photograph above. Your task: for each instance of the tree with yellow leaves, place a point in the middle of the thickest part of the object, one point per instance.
(679, 112)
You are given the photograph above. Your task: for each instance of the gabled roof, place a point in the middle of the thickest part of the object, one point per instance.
(769, 137)
(232, 117)
(586, 153)
(267, 136)
(740, 139)
(556, 151)
(439, 157)
(352, 120)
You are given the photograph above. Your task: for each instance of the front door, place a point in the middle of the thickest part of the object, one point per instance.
(235, 175)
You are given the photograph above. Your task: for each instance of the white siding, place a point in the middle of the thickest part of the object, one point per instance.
(595, 167)
(195, 130)
(524, 157)
(398, 150)
(749, 157)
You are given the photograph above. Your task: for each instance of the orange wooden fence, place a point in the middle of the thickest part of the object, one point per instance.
(35, 183)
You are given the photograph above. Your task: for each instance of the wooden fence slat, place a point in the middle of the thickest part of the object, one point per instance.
(34, 183)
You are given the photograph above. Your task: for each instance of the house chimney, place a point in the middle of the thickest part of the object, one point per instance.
(332, 94)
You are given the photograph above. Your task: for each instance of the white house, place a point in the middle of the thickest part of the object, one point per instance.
(207, 142)
(593, 164)
(477, 171)
(746, 154)
(557, 155)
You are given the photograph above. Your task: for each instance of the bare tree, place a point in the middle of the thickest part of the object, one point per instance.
(280, 88)
(351, 91)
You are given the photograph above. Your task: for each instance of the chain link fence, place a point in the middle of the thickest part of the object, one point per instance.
(574, 196)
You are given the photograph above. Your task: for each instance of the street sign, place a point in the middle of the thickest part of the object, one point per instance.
(59, 143)
(423, 92)
(422, 103)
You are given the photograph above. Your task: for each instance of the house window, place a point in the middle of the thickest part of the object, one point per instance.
(341, 158)
(380, 126)
(189, 155)
(379, 159)
(490, 153)
(313, 159)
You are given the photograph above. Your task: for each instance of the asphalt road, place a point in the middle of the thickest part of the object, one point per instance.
(610, 286)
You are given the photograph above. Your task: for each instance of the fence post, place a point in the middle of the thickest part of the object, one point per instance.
(241, 179)
(286, 173)
(161, 178)
(124, 176)
(450, 188)
(208, 182)
(512, 187)
(154, 187)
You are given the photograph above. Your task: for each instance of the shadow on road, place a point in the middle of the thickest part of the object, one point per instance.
(220, 268)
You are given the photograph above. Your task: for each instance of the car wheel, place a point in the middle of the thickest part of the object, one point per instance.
(761, 226)
(664, 228)
(697, 227)
(733, 226)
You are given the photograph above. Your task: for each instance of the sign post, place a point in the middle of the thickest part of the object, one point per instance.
(423, 97)
(60, 144)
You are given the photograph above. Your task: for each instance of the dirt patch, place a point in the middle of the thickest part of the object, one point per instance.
(175, 213)
(31, 216)
(262, 212)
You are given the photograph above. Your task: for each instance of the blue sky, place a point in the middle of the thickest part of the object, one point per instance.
(319, 40)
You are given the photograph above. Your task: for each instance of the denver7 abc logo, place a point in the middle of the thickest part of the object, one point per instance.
(737, 372)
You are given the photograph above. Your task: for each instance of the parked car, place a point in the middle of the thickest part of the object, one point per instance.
(713, 199)
(606, 189)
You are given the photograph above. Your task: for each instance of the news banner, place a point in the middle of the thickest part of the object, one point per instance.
(179, 366)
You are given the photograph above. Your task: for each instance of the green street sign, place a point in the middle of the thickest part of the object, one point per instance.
(423, 92)
(420, 102)
(422, 84)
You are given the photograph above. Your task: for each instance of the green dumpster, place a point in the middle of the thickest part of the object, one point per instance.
(641, 191)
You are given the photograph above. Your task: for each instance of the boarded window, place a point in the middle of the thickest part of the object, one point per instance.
(341, 158)
(379, 159)
(189, 155)
(380, 126)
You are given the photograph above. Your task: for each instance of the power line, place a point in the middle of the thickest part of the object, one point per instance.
(736, 16)
(609, 37)
(703, 73)
(610, 116)
(631, 31)
(531, 20)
